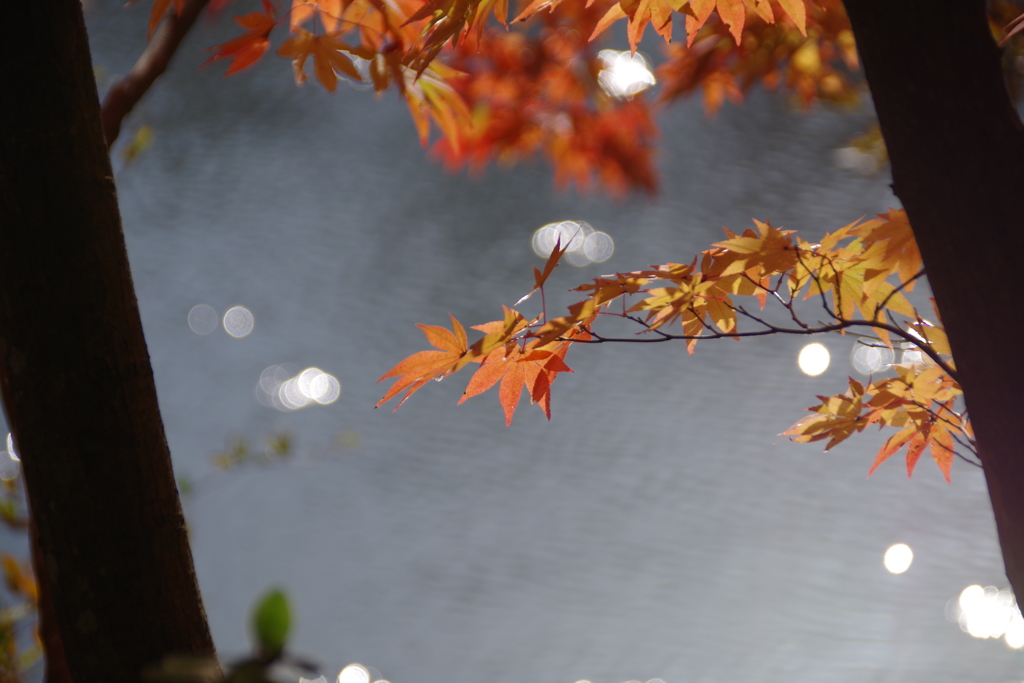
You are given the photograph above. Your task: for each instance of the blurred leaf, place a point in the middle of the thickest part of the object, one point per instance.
(279, 445)
(271, 622)
(142, 141)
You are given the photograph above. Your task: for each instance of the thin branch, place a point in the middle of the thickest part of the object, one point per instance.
(879, 307)
(126, 93)
(771, 329)
(817, 283)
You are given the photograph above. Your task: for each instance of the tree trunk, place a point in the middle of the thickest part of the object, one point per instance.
(74, 371)
(957, 150)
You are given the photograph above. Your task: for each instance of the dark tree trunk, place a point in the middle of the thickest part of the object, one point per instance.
(957, 150)
(75, 374)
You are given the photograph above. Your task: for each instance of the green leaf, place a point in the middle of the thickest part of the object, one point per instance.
(271, 621)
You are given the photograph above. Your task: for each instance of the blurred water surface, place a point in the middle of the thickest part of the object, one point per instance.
(653, 529)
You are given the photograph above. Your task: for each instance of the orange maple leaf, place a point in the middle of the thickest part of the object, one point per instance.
(327, 51)
(420, 368)
(734, 14)
(246, 49)
(532, 369)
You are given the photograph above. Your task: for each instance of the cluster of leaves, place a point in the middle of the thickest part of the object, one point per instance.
(538, 91)
(859, 275)
(509, 95)
(810, 54)
(501, 94)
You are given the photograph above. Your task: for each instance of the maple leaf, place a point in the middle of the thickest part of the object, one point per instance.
(890, 248)
(836, 418)
(430, 95)
(420, 368)
(326, 49)
(734, 14)
(534, 369)
(811, 55)
(771, 252)
(657, 13)
(246, 49)
(497, 334)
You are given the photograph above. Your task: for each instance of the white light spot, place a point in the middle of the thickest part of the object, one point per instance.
(321, 679)
(868, 359)
(202, 319)
(599, 247)
(623, 74)
(291, 395)
(10, 447)
(238, 321)
(991, 613)
(354, 673)
(585, 245)
(898, 558)
(278, 388)
(1015, 631)
(813, 359)
(912, 355)
(325, 389)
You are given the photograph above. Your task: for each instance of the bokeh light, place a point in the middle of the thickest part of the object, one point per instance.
(354, 673)
(813, 359)
(898, 558)
(585, 245)
(10, 463)
(990, 613)
(912, 355)
(599, 247)
(868, 359)
(279, 388)
(238, 321)
(623, 74)
(202, 319)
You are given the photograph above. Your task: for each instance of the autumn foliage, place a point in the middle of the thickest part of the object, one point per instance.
(856, 280)
(507, 90)
(527, 82)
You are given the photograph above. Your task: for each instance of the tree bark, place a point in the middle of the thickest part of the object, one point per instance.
(74, 371)
(957, 150)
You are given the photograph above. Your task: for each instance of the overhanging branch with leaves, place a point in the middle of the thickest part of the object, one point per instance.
(860, 273)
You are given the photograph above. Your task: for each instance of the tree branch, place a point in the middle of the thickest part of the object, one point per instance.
(125, 94)
(771, 329)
